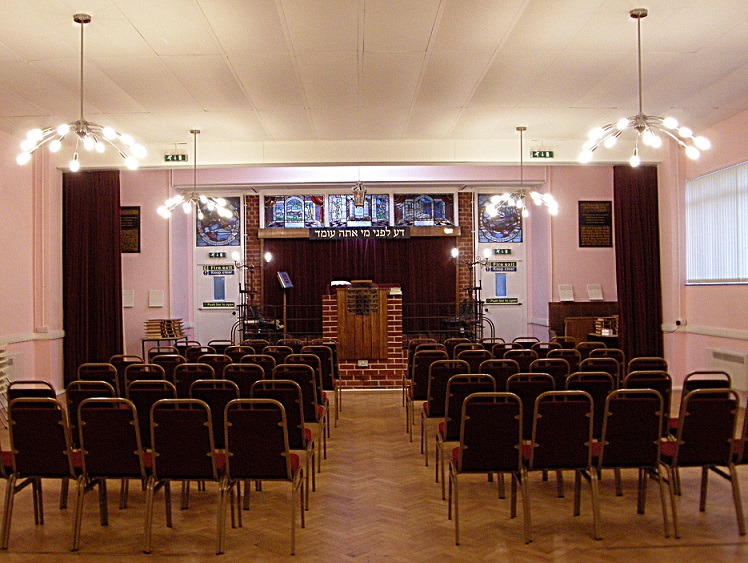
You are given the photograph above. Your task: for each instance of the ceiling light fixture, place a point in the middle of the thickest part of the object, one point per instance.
(194, 199)
(646, 126)
(87, 133)
(359, 194)
(518, 197)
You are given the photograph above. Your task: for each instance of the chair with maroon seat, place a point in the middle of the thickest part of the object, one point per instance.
(542, 348)
(500, 369)
(330, 381)
(528, 387)
(523, 356)
(598, 384)
(220, 345)
(571, 355)
(418, 382)
(474, 357)
(138, 372)
(217, 361)
(440, 371)
(707, 425)
(40, 448)
(186, 374)
(498, 349)
(244, 375)
(526, 342)
(657, 380)
(585, 348)
(296, 344)
(182, 346)
(100, 371)
(278, 353)
(257, 343)
(29, 388)
(631, 440)
(483, 450)
(110, 449)
(158, 350)
(120, 362)
(216, 393)
(646, 363)
(169, 362)
(193, 353)
(457, 349)
(236, 352)
(607, 364)
(562, 440)
(267, 363)
(448, 434)
(183, 450)
(558, 368)
(76, 392)
(565, 341)
(413, 343)
(258, 449)
(322, 398)
(450, 344)
(615, 353)
(143, 393)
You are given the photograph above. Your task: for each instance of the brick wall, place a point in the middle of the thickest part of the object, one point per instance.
(380, 374)
(465, 242)
(252, 244)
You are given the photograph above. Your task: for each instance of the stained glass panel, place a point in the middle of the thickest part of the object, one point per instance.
(294, 211)
(424, 209)
(498, 222)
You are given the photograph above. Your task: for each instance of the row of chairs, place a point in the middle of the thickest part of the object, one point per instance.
(256, 434)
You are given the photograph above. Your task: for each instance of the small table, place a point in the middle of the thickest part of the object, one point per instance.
(158, 340)
(610, 340)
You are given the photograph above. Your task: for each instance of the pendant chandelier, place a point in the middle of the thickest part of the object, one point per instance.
(195, 199)
(91, 136)
(649, 129)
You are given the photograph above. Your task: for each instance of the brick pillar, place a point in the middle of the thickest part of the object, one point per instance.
(252, 244)
(465, 242)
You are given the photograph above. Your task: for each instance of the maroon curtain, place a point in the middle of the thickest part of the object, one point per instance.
(92, 271)
(422, 267)
(638, 260)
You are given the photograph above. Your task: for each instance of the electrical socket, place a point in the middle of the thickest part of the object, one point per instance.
(680, 322)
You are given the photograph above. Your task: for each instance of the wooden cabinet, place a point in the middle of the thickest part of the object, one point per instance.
(362, 323)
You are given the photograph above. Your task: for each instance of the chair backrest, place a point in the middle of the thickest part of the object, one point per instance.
(143, 393)
(542, 348)
(632, 426)
(29, 388)
(528, 387)
(707, 425)
(310, 360)
(571, 355)
(450, 344)
(558, 368)
(278, 353)
(562, 431)
(457, 349)
(706, 379)
(216, 393)
(439, 373)
(616, 353)
(419, 373)
(182, 346)
(500, 370)
(257, 343)
(236, 352)
(158, 350)
(526, 341)
(263, 360)
(653, 379)
(474, 357)
(187, 373)
(257, 440)
(120, 362)
(413, 343)
(327, 363)
(216, 361)
(498, 349)
(79, 390)
(182, 440)
(192, 353)
(220, 345)
(598, 384)
(137, 372)
(100, 371)
(482, 449)
(288, 393)
(40, 439)
(109, 437)
(458, 387)
(244, 375)
(169, 362)
(604, 363)
(523, 356)
(565, 341)
(296, 344)
(646, 363)
(306, 377)
(585, 347)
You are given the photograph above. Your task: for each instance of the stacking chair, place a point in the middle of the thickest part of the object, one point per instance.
(306, 377)
(258, 449)
(558, 368)
(30, 388)
(526, 341)
(220, 345)
(296, 344)
(528, 387)
(483, 450)
(585, 347)
(417, 383)
(474, 358)
(571, 355)
(322, 399)
(565, 341)
(267, 363)
(433, 408)
(186, 374)
(615, 353)
(169, 362)
(631, 440)
(192, 353)
(236, 352)
(501, 370)
(598, 384)
(562, 440)
(657, 380)
(300, 438)
(76, 392)
(244, 375)
(216, 361)
(702, 379)
(40, 448)
(143, 393)
(100, 371)
(448, 434)
(137, 372)
(646, 363)
(413, 343)
(278, 353)
(523, 356)
(707, 425)
(542, 348)
(183, 450)
(450, 344)
(158, 350)
(216, 393)
(256, 343)
(110, 449)
(329, 379)
(182, 346)
(607, 364)
(498, 349)
(120, 362)
(458, 348)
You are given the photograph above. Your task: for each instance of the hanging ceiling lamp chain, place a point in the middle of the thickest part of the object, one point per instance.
(647, 127)
(92, 135)
(213, 204)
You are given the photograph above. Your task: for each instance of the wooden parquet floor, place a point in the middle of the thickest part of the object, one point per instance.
(376, 501)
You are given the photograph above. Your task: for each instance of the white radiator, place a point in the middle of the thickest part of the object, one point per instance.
(6, 366)
(733, 362)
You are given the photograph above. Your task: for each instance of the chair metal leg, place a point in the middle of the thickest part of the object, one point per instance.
(149, 493)
(673, 507)
(577, 491)
(663, 501)
(80, 494)
(595, 506)
(617, 478)
(735, 482)
(704, 485)
(103, 509)
(64, 486)
(559, 483)
(525, 484)
(124, 493)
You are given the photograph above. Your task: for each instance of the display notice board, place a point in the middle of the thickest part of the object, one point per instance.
(595, 224)
(130, 229)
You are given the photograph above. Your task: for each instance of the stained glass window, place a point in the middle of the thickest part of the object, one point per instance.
(294, 211)
(424, 209)
(498, 222)
(214, 230)
(374, 213)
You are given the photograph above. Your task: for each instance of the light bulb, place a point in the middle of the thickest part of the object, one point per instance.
(126, 139)
(222, 202)
(610, 141)
(74, 165)
(702, 143)
(491, 211)
(235, 256)
(525, 212)
(109, 133)
(35, 135)
(186, 206)
(100, 148)
(27, 145)
(685, 132)
(63, 129)
(622, 123)
(163, 211)
(55, 146)
(486, 253)
(585, 157)
(455, 252)
(656, 141)
(268, 256)
(139, 150)
(203, 199)
(693, 153)
(647, 138)
(200, 215)
(131, 163)
(635, 160)
(88, 143)
(596, 134)
(495, 199)
(670, 122)
(23, 158)
(588, 145)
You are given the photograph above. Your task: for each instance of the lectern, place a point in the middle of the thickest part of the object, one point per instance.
(362, 321)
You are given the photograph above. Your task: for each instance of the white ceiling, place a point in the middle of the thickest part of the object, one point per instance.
(309, 81)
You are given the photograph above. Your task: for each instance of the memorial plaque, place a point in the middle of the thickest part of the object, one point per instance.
(595, 224)
(130, 229)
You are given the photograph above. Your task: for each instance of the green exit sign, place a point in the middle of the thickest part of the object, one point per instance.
(216, 255)
(175, 158)
(542, 154)
(502, 250)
